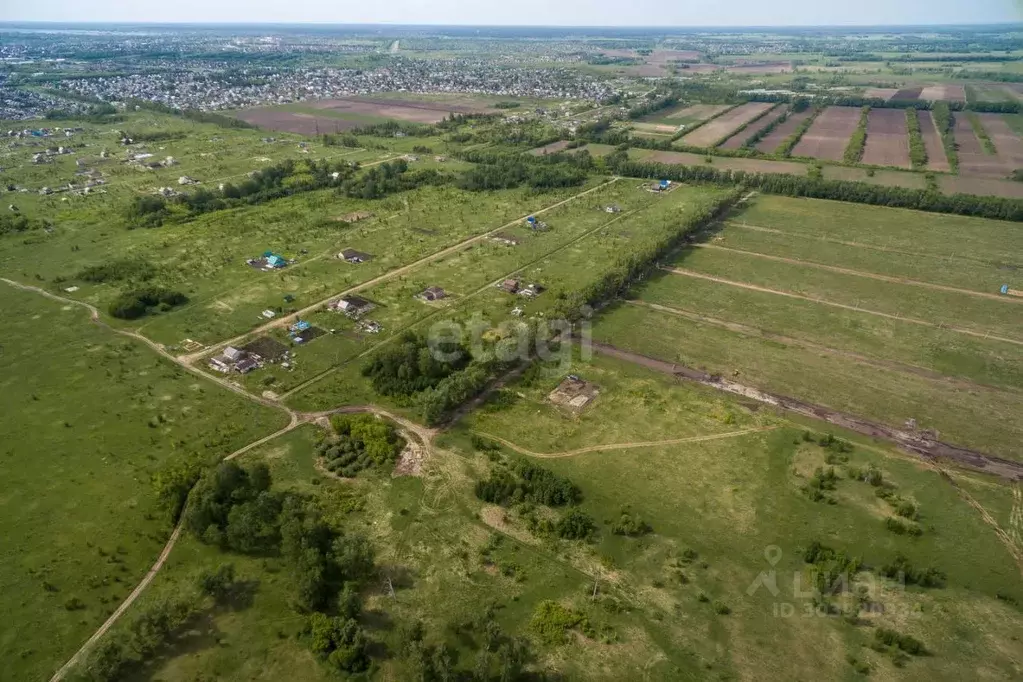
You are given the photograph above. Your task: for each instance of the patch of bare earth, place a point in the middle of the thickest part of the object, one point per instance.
(410, 461)
(736, 141)
(829, 135)
(936, 158)
(887, 138)
(973, 160)
(774, 138)
(714, 131)
(294, 122)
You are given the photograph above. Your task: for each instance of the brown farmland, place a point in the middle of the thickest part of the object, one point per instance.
(762, 68)
(700, 112)
(887, 139)
(711, 133)
(363, 109)
(947, 93)
(410, 110)
(972, 158)
(1008, 144)
(736, 141)
(828, 136)
(952, 184)
(880, 93)
(936, 159)
(908, 93)
(295, 122)
(774, 138)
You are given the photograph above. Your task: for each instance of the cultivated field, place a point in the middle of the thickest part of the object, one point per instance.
(973, 158)
(887, 139)
(947, 93)
(300, 122)
(936, 157)
(829, 134)
(773, 140)
(713, 132)
(880, 93)
(1005, 139)
(866, 296)
(736, 141)
(338, 115)
(697, 112)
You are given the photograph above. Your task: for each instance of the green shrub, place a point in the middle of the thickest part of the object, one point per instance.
(551, 622)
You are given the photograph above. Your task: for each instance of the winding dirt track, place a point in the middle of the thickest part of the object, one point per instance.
(623, 446)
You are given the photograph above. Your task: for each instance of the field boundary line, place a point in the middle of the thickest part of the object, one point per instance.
(739, 328)
(858, 245)
(834, 304)
(624, 446)
(862, 273)
(391, 274)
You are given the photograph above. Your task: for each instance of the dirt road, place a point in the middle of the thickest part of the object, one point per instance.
(879, 363)
(623, 446)
(911, 442)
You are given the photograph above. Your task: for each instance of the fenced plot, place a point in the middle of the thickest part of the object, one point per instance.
(936, 158)
(828, 136)
(887, 138)
(737, 140)
(711, 133)
(773, 140)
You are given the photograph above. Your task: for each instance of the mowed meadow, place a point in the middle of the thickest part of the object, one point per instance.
(98, 416)
(887, 314)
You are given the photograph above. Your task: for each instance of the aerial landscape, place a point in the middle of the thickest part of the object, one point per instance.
(493, 352)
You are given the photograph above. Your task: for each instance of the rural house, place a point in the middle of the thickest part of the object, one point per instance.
(352, 306)
(433, 294)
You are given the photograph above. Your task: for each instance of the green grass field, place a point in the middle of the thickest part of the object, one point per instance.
(715, 506)
(842, 339)
(98, 415)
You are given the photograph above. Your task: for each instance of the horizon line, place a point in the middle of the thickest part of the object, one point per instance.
(116, 22)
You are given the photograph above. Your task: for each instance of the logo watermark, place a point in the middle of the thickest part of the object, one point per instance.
(835, 587)
(550, 340)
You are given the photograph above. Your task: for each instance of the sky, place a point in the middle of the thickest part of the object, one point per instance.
(525, 12)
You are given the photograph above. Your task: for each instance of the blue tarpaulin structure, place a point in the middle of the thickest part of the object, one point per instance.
(1005, 288)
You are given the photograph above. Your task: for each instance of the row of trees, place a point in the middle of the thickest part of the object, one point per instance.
(1005, 107)
(998, 208)
(858, 140)
(917, 150)
(524, 481)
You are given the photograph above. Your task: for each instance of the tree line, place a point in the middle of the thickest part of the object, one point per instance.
(998, 208)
